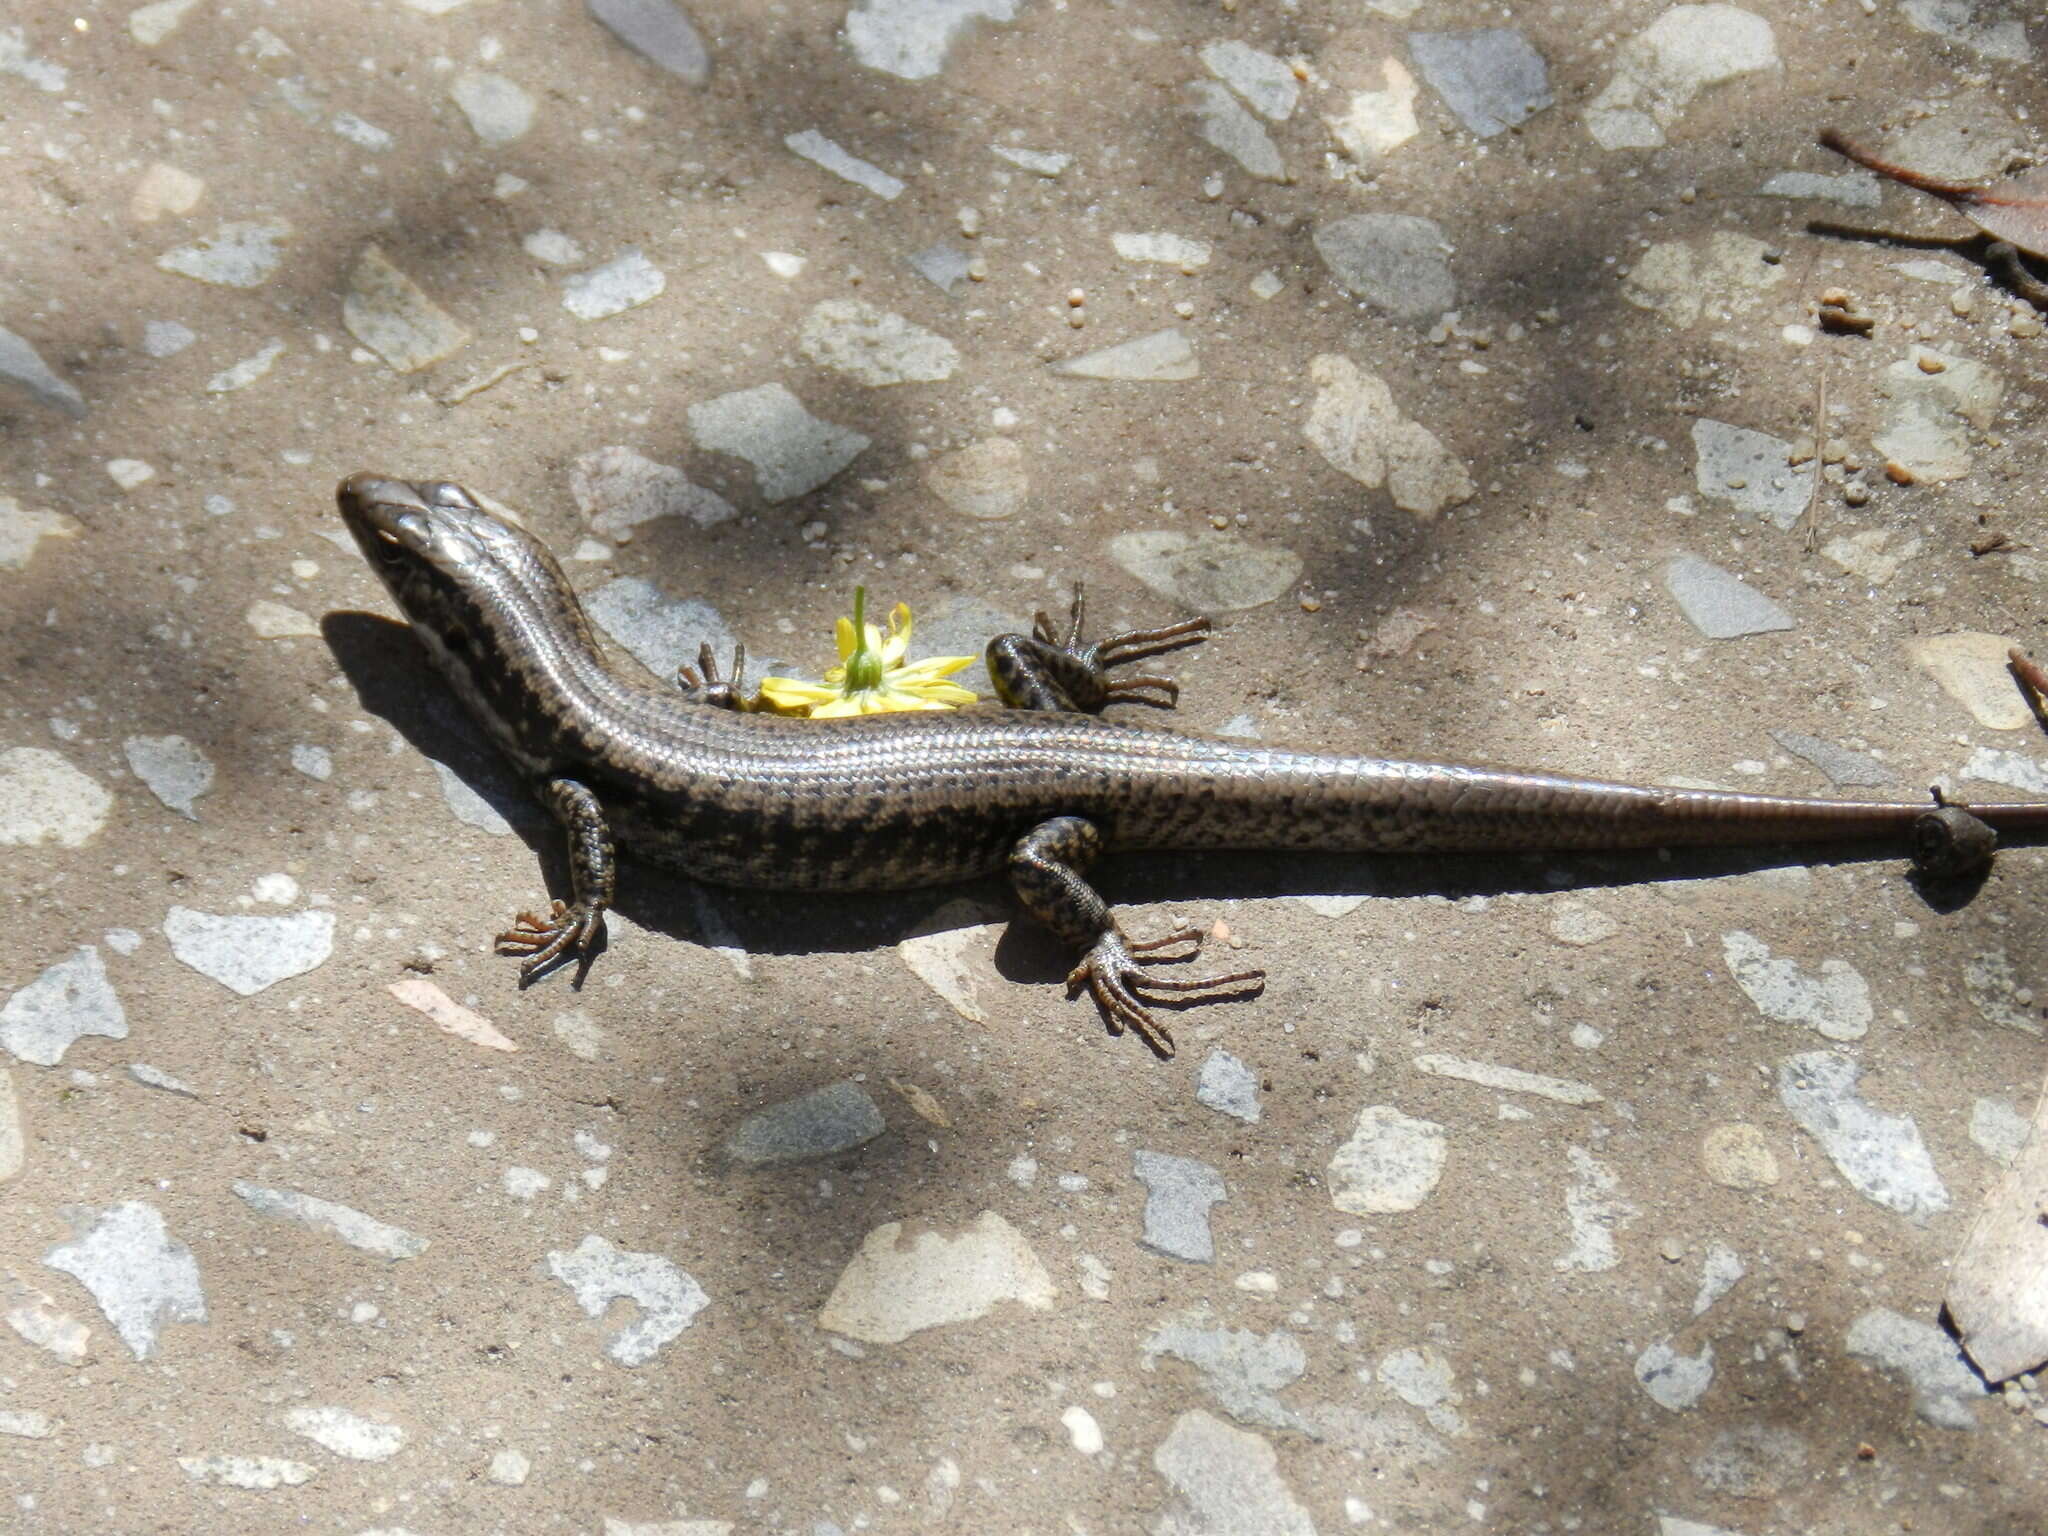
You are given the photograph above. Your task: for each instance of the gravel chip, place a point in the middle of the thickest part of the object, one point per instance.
(985, 480)
(1720, 604)
(1242, 1370)
(346, 1434)
(1751, 472)
(1395, 262)
(1493, 79)
(243, 254)
(1226, 1482)
(901, 1283)
(1178, 1194)
(499, 110)
(1970, 666)
(598, 1274)
(1230, 1087)
(1209, 573)
(23, 528)
(617, 490)
(1945, 1389)
(350, 1225)
(174, 770)
(1266, 83)
(833, 1119)
(246, 954)
(1675, 1381)
(1225, 125)
(909, 38)
(140, 1275)
(1880, 1154)
(625, 282)
(659, 32)
(792, 451)
(69, 1000)
(1391, 1163)
(1161, 357)
(1659, 71)
(21, 364)
(391, 315)
(822, 152)
(873, 346)
(1836, 1003)
(1844, 768)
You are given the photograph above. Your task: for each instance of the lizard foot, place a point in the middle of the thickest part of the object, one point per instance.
(703, 684)
(543, 941)
(1112, 973)
(1120, 650)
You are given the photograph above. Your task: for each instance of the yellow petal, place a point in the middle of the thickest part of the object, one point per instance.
(838, 708)
(899, 635)
(793, 690)
(842, 632)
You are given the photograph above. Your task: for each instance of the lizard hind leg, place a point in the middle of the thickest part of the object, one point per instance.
(574, 925)
(1046, 871)
(1044, 671)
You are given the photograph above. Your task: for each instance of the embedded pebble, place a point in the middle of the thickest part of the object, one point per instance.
(346, 1434)
(1997, 1290)
(1223, 124)
(829, 1120)
(129, 473)
(510, 1469)
(1266, 83)
(362, 133)
(68, 1001)
(1040, 162)
(1999, 1130)
(658, 31)
(909, 38)
(1852, 189)
(1675, 1381)
(140, 1275)
(1356, 427)
(16, 60)
(792, 451)
(625, 282)
(1881, 1155)
(1226, 1481)
(1683, 280)
(242, 254)
(1659, 71)
(278, 621)
(1945, 1389)
(1241, 1369)
(1374, 123)
(2015, 770)
(552, 247)
(1595, 1213)
(1422, 1378)
(151, 24)
(256, 1474)
(1989, 36)
(350, 1225)
(23, 528)
(26, 1424)
(598, 1274)
(246, 372)
(1719, 1273)
(172, 769)
(1390, 1163)
(1161, 357)
(1209, 573)
(499, 110)
(1926, 429)
(1871, 554)
(13, 1132)
(1082, 1431)
(617, 490)
(36, 1317)
(486, 809)
(827, 155)
(1509, 1079)
(1720, 604)
(152, 1077)
(22, 364)
(873, 346)
(43, 799)
(1993, 988)
(1751, 1461)
(1396, 262)
(937, 952)
(464, 1023)
(660, 631)
(391, 315)
(899, 1284)
(1835, 1003)
(1229, 1086)
(1971, 668)
(1750, 471)
(1322, 906)
(1178, 1194)
(246, 954)
(1581, 924)
(986, 480)
(942, 265)
(1736, 1155)
(1165, 249)
(1493, 79)
(162, 189)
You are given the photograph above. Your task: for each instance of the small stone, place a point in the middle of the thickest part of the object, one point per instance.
(1675, 1381)
(499, 110)
(657, 629)
(151, 24)
(792, 451)
(68, 1001)
(1719, 604)
(1162, 356)
(1039, 162)
(1266, 83)
(1751, 1461)
(1165, 249)
(278, 621)
(941, 265)
(139, 1274)
(1396, 262)
(1926, 429)
(129, 473)
(26, 1424)
(391, 315)
(625, 282)
(1178, 1194)
(1391, 1163)
(822, 152)
(16, 60)
(1492, 79)
(1659, 71)
(1225, 125)
(658, 31)
(1993, 988)
(152, 1077)
(418, 993)
(254, 1473)
(247, 954)
(1356, 427)
(1852, 189)
(823, 1123)
(873, 346)
(1750, 471)
(1228, 1086)
(1208, 573)
(1508, 1079)
(1999, 1130)
(1378, 122)
(1945, 1389)
(509, 1469)
(341, 1221)
(1880, 1154)
(174, 770)
(1683, 280)
(1870, 554)
(1970, 666)
(346, 1434)
(1737, 1156)
(241, 375)
(37, 1318)
(1082, 1430)
(1581, 924)
(164, 189)
(900, 1284)
(1836, 1003)
(618, 490)
(1267, 285)
(910, 38)
(552, 247)
(1243, 1370)
(1718, 1276)
(1226, 1482)
(598, 1274)
(985, 480)
(23, 528)
(1595, 1213)
(362, 133)
(43, 799)
(237, 255)
(1842, 767)
(1989, 36)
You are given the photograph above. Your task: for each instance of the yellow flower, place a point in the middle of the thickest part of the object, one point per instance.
(872, 678)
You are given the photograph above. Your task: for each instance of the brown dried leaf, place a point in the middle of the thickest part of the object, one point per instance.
(2014, 210)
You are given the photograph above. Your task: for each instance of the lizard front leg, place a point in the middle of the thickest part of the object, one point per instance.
(702, 685)
(1046, 871)
(1043, 671)
(593, 869)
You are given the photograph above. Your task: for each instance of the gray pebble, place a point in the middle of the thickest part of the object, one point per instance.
(658, 31)
(1492, 78)
(1880, 1154)
(1719, 604)
(23, 365)
(836, 1118)
(140, 1275)
(1945, 1389)
(1228, 1085)
(1393, 261)
(1179, 1192)
(69, 999)
(1843, 767)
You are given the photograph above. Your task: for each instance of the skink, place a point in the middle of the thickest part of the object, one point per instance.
(1040, 789)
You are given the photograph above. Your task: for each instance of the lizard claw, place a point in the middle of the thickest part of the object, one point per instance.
(544, 940)
(1112, 974)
